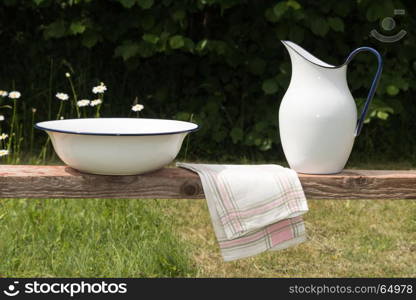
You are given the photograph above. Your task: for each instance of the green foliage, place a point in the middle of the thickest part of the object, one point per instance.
(127, 50)
(176, 42)
(319, 26)
(77, 27)
(219, 60)
(270, 86)
(336, 24)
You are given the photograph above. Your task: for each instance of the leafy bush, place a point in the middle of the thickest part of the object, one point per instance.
(219, 61)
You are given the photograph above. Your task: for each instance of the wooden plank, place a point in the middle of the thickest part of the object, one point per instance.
(361, 184)
(20, 181)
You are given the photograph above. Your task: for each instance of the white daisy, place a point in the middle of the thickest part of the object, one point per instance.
(96, 102)
(4, 152)
(67, 75)
(62, 96)
(137, 107)
(33, 110)
(3, 93)
(3, 136)
(99, 89)
(14, 95)
(1, 118)
(84, 102)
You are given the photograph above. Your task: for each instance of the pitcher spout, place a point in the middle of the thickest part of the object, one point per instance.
(297, 52)
(310, 71)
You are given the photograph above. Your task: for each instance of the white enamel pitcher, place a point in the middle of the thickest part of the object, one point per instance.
(318, 115)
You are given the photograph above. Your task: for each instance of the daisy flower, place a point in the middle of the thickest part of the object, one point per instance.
(96, 102)
(99, 89)
(1, 118)
(62, 96)
(14, 95)
(67, 75)
(4, 152)
(84, 102)
(3, 93)
(3, 136)
(137, 107)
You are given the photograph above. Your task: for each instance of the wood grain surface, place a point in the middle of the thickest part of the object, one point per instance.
(27, 181)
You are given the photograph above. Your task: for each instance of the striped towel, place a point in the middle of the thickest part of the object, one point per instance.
(253, 208)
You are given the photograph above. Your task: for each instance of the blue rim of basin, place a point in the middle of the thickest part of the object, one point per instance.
(118, 134)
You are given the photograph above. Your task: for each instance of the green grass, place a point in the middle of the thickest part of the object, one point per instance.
(354, 238)
(174, 238)
(91, 238)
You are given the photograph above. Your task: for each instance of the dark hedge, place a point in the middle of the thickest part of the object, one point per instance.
(219, 62)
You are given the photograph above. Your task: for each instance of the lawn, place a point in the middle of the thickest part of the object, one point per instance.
(89, 238)
(363, 238)
(174, 238)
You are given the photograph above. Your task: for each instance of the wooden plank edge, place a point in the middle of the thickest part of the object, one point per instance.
(20, 181)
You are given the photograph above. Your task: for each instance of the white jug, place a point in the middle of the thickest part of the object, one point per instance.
(318, 115)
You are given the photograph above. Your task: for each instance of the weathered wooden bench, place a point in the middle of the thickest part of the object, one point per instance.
(26, 181)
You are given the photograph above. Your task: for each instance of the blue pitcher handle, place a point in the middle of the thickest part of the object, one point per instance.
(374, 84)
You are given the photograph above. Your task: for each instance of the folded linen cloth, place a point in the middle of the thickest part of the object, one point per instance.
(253, 208)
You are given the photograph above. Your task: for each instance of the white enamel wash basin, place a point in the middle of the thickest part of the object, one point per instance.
(117, 146)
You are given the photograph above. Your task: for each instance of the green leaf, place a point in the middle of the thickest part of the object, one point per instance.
(56, 29)
(37, 2)
(77, 27)
(392, 90)
(201, 45)
(127, 3)
(145, 49)
(336, 24)
(176, 42)
(179, 15)
(183, 116)
(270, 86)
(145, 4)
(319, 26)
(150, 38)
(127, 50)
(89, 39)
(279, 9)
(293, 4)
(261, 126)
(236, 134)
(270, 15)
(220, 47)
(189, 44)
(382, 115)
